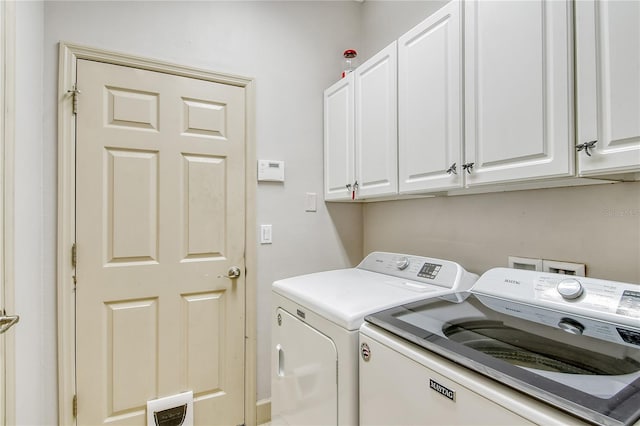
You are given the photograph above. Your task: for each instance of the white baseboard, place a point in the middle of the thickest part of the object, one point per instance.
(263, 411)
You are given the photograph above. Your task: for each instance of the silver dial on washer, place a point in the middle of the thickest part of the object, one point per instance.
(402, 263)
(570, 288)
(571, 326)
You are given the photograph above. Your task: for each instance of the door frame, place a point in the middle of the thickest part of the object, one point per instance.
(7, 208)
(69, 54)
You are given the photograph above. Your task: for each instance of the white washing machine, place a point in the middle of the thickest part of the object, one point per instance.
(315, 322)
(521, 347)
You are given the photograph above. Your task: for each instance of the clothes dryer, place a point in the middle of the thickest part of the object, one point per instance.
(315, 321)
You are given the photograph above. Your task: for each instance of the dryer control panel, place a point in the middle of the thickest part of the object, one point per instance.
(420, 269)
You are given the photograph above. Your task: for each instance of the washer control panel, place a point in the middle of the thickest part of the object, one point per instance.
(418, 269)
(591, 297)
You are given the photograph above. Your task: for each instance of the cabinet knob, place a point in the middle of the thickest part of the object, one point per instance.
(468, 167)
(452, 169)
(586, 147)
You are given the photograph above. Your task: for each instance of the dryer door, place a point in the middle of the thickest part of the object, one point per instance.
(304, 389)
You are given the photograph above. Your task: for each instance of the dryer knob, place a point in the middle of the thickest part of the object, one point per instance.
(570, 288)
(402, 263)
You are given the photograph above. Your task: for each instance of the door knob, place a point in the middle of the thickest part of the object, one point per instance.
(232, 273)
(7, 321)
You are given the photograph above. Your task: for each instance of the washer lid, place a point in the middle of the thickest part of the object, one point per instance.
(345, 296)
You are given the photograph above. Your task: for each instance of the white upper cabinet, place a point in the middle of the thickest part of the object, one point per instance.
(608, 86)
(361, 131)
(430, 113)
(518, 91)
(339, 149)
(376, 128)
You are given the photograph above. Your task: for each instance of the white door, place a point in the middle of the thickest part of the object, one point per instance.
(430, 114)
(608, 86)
(518, 90)
(339, 173)
(159, 222)
(304, 374)
(376, 124)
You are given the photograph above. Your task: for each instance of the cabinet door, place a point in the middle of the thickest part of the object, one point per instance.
(430, 104)
(376, 124)
(608, 85)
(518, 90)
(339, 140)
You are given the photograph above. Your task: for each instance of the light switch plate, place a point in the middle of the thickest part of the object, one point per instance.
(311, 202)
(266, 234)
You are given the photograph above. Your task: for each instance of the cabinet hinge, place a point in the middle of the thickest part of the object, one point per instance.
(74, 97)
(75, 406)
(74, 255)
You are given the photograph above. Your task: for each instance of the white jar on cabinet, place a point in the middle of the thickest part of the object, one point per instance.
(608, 86)
(360, 131)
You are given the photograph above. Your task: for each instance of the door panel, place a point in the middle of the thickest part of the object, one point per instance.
(160, 220)
(131, 178)
(131, 363)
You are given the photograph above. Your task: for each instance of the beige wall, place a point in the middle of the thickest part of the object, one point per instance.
(293, 49)
(597, 225)
(385, 21)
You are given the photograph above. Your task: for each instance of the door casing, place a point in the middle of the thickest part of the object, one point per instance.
(7, 207)
(69, 54)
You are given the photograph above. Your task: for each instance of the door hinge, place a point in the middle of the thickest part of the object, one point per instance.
(75, 406)
(74, 96)
(74, 255)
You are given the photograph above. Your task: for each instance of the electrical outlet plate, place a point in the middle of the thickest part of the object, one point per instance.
(527, 263)
(266, 234)
(567, 268)
(311, 202)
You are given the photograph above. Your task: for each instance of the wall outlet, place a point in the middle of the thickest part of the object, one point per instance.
(527, 263)
(567, 268)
